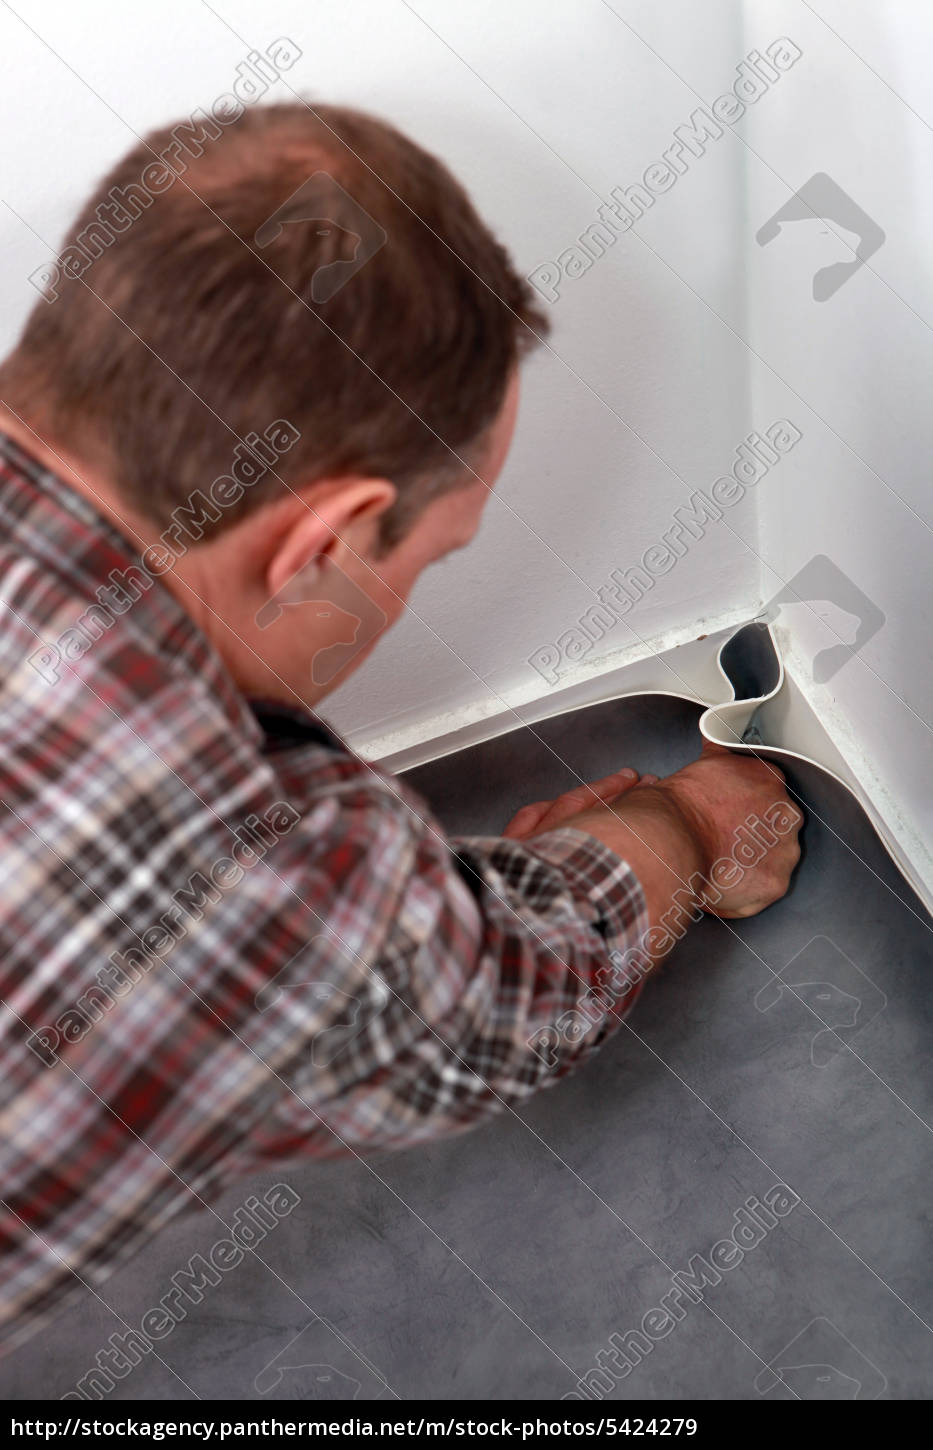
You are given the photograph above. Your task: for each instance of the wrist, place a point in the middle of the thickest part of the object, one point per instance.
(692, 820)
(657, 835)
(672, 827)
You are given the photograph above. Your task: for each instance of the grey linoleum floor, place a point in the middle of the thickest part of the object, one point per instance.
(498, 1264)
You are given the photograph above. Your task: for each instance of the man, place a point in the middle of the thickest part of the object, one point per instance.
(272, 377)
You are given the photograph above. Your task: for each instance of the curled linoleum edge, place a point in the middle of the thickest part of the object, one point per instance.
(749, 703)
(764, 708)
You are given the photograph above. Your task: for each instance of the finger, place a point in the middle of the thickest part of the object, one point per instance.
(526, 820)
(598, 792)
(545, 815)
(626, 773)
(615, 785)
(565, 808)
(607, 786)
(584, 798)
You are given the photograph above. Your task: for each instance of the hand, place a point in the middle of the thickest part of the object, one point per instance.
(547, 815)
(684, 839)
(746, 827)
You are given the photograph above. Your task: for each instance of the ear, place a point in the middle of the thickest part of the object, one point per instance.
(339, 520)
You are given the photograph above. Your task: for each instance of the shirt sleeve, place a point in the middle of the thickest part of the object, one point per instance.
(467, 974)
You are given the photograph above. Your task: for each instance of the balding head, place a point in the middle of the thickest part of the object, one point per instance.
(306, 264)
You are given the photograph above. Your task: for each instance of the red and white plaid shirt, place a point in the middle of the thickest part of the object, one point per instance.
(226, 941)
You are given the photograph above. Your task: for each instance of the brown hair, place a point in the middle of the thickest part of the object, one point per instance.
(193, 339)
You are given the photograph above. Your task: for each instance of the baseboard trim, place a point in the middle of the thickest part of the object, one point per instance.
(782, 721)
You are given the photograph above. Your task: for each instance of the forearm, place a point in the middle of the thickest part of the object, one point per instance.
(651, 832)
(679, 836)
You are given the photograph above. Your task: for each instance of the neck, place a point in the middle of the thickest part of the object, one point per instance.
(220, 584)
(187, 580)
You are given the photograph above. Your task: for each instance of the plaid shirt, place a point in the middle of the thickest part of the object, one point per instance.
(226, 941)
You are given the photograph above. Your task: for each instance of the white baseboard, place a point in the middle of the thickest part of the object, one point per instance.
(790, 725)
(683, 664)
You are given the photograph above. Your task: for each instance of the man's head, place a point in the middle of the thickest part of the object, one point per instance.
(309, 328)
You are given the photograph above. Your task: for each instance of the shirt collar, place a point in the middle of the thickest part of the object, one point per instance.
(66, 534)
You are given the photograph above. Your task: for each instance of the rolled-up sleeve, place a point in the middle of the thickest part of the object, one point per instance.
(478, 974)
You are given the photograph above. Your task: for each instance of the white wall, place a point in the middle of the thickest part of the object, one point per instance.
(858, 486)
(685, 336)
(640, 397)
(539, 108)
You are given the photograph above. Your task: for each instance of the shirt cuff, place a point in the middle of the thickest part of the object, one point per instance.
(597, 875)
